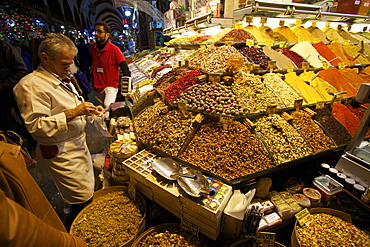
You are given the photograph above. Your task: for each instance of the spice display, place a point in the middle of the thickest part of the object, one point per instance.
(257, 34)
(282, 139)
(161, 73)
(332, 34)
(365, 74)
(170, 77)
(303, 33)
(282, 61)
(358, 36)
(357, 109)
(333, 127)
(156, 70)
(171, 236)
(255, 55)
(213, 98)
(216, 62)
(112, 219)
(346, 117)
(199, 55)
(239, 36)
(199, 39)
(327, 230)
(347, 35)
(338, 50)
(309, 93)
(287, 33)
(214, 38)
(308, 52)
(186, 81)
(352, 77)
(325, 51)
(147, 116)
(311, 132)
(353, 51)
(337, 80)
(230, 153)
(167, 132)
(144, 83)
(275, 36)
(256, 95)
(317, 33)
(293, 56)
(324, 88)
(285, 92)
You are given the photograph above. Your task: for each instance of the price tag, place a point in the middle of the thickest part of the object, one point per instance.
(156, 100)
(290, 68)
(265, 238)
(281, 44)
(199, 118)
(214, 78)
(272, 64)
(338, 100)
(298, 22)
(229, 41)
(249, 19)
(181, 106)
(189, 226)
(303, 217)
(269, 43)
(256, 66)
(271, 109)
(325, 65)
(281, 23)
(197, 66)
(249, 66)
(250, 42)
(346, 42)
(341, 65)
(320, 104)
(226, 119)
(316, 40)
(298, 104)
(300, 39)
(203, 46)
(305, 65)
(327, 24)
(164, 110)
(131, 189)
(238, 25)
(314, 24)
(263, 20)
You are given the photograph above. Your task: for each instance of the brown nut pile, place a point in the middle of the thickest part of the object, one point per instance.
(335, 129)
(282, 140)
(213, 98)
(256, 55)
(230, 153)
(239, 35)
(110, 220)
(311, 132)
(168, 132)
(201, 53)
(147, 116)
(256, 95)
(326, 230)
(286, 93)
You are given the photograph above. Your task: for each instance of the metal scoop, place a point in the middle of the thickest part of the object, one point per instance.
(169, 169)
(195, 187)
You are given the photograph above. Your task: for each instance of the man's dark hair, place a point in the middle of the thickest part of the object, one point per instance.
(105, 25)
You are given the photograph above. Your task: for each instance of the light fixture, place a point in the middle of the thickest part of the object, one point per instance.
(127, 13)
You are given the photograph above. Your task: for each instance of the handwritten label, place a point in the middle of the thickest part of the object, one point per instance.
(199, 118)
(250, 42)
(320, 104)
(238, 25)
(298, 104)
(181, 106)
(269, 43)
(229, 41)
(298, 22)
(300, 39)
(256, 66)
(263, 20)
(265, 237)
(214, 78)
(249, 19)
(325, 65)
(272, 64)
(305, 65)
(303, 217)
(271, 109)
(290, 68)
(189, 226)
(316, 40)
(281, 44)
(226, 119)
(314, 24)
(281, 23)
(341, 65)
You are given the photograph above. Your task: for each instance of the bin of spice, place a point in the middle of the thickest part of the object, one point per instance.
(328, 188)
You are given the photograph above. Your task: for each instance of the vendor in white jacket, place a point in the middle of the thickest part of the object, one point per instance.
(55, 115)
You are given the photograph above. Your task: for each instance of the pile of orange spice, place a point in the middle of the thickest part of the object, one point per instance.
(337, 80)
(324, 51)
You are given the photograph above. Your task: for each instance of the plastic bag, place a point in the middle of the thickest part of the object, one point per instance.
(97, 134)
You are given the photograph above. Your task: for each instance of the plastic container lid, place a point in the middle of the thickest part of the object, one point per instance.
(324, 165)
(341, 176)
(302, 200)
(327, 184)
(333, 170)
(359, 188)
(313, 194)
(350, 181)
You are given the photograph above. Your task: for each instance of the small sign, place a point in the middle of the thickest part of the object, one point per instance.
(250, 42)
(316, 40)
(314, 24)
(303, 217)
(238, 25)
(290, 68)
(249, 66)
(325, 65)
(281, 44)
(269, 43)
(281, 23)
(346, 42)
(341, 65)
(271, 109)
(263, 20)
(226, 119)
(181, 106)
(320, 104)
(300, 39)
(298, 104)
(229, 41)
(249, 19)
(199, 118)
(305, 65)
(298, 22)
(203, 46)
(188, 226)
(272, 64)
(265, 237)
(156, 100)
(214, 78)
(256, 66)
(327, 24)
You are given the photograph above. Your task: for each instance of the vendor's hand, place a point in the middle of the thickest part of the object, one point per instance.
(85, 108)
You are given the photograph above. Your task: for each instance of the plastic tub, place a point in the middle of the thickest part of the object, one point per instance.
(328, 188)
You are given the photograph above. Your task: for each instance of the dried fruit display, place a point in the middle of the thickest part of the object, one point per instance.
(186, 81)
(256, 55)
(256, 95)
(167, 79)
(281, 138)
(230, 153)
(213, 98)
(312, 132)
(326, 230)
(147, 116)
(167, 132)
(110, 220)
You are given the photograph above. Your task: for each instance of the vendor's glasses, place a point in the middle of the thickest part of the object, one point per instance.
(99, 31)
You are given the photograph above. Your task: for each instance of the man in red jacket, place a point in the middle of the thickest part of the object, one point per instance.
(107, 59)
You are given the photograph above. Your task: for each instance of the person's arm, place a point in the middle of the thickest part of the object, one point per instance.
(75, 83)
(124, 68)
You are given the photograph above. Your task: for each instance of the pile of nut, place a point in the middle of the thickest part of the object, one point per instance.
(167, 132)
(148, 115)
(196, 57)
(228, 153)
(110, 220)
(256, 55)
(172, 236)
(256, 95)
(213, 98)
(281, 138)
(286, 93)
(311, 132)
(326, 230)
(239, 35)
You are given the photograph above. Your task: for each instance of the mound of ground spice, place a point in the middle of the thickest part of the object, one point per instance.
(325, 89)
(365, 74)
(317, 33)
(287, 33)
(324, 51)
(353, 78)
(294, 56)
(338, 50)
(346, 117)
(338, 81)
(303, 33)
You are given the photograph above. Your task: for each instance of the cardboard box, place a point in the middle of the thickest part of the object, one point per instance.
(359, 7)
